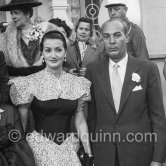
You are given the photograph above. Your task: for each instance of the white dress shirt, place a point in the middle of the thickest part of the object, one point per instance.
(82, 47)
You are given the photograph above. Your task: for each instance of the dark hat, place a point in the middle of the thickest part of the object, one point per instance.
(15, 4)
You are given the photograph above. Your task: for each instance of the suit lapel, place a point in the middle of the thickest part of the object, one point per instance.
(128, 84)
(88, 53)
(104, 81)
(73, 55)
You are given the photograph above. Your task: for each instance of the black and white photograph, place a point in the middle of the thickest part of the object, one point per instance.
(82, 83)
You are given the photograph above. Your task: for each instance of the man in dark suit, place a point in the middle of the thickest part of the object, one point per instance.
(126, 116)
(82, 53)
(4, 78)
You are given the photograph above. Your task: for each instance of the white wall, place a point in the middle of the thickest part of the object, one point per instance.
(154, 26)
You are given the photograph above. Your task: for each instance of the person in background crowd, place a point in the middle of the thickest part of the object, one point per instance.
(14, 149)
(164, 69)
(55, 96)
(136, 45)
(81, 54)
(21, 50)
(3, 26)
(126, 115)
(38, 20)
(62, 27)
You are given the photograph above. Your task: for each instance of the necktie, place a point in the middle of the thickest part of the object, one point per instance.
(116, 86)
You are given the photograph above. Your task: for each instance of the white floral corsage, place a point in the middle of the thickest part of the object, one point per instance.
(35, 33)
(136, 77)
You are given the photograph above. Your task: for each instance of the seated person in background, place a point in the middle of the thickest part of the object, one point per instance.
(81, 54)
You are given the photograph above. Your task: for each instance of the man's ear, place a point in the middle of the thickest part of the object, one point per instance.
(125, 8)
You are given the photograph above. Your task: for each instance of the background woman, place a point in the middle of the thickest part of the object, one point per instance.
(20, 50)
(55, 96)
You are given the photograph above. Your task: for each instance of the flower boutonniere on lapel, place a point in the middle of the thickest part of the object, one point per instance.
(35, 33)
(136, 78)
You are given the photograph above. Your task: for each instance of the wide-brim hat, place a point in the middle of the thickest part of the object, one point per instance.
(115, 3)
(16, 4)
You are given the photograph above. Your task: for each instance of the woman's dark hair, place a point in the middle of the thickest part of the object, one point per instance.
(53, 35)
(60, 23)
(27, 10)
(87, 20)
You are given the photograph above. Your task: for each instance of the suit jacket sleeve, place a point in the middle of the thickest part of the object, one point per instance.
(156, 111)
(92, 116)
(139, 45)
(4, 78)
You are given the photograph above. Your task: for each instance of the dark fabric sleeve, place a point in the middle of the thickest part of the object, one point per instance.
(139, 44)
(157, 114)
(24, 71)
(4, 78)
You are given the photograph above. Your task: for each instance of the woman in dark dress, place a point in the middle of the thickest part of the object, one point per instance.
(54, 97)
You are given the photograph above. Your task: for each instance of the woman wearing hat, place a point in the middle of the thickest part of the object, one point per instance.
(21, 49)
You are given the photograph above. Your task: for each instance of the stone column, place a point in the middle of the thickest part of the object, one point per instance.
(59, 10)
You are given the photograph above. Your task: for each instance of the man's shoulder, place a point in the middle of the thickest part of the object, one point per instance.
(135, 28)
(142, 63)
(98, 65)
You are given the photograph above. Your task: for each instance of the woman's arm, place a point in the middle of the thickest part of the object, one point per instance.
(164, 69)
(82, 127)
(23, 110)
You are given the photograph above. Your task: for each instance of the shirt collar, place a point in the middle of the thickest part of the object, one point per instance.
(122, 63)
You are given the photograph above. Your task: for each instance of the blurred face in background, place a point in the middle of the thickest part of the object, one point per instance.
(83, 31)
(117, 11)
(19, 18)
